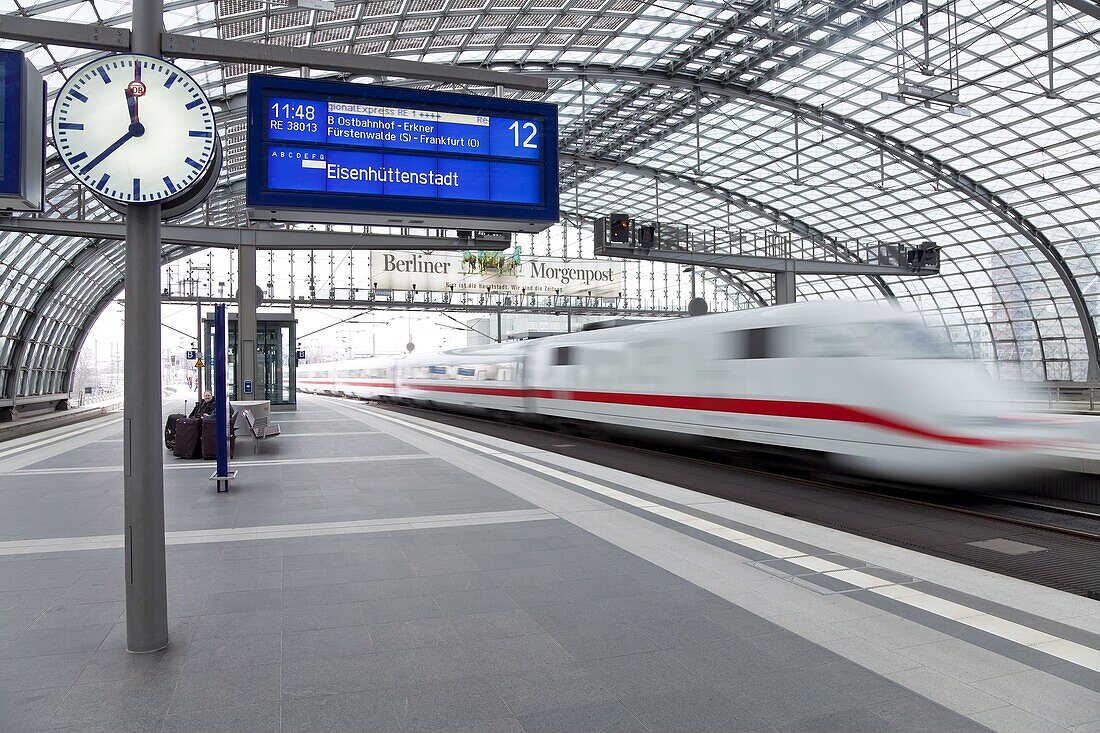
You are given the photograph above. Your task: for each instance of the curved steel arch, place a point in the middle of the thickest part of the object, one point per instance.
(168, 255)
(898, 149)
(85, 256)
(746, 203)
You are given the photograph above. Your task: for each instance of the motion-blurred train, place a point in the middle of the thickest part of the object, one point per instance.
(867, 388)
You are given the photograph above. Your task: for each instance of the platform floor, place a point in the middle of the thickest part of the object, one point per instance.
(371, 571)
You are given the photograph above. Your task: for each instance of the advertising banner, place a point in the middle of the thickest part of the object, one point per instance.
(479, 272)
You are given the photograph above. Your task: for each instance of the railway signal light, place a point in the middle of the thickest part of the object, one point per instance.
(620, 228)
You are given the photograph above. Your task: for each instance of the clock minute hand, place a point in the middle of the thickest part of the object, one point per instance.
(114, 146)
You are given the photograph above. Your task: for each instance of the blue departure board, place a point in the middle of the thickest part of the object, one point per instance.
(331, 151)
(22, 133)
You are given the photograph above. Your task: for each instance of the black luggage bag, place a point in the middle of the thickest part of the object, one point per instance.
(187, 438)
(209, 441)
(170, 430)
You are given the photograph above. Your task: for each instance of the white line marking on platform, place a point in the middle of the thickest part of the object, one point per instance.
(337, 433)
(302, 420)
(53, 439)
(289, 435)
(279, 531)
(233, 464)
(1079, 654)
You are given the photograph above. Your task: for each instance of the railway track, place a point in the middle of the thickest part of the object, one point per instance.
(1065, 538)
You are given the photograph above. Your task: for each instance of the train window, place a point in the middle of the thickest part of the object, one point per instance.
(888, 339)
(759, 343)
(751, 343)
(562, 356)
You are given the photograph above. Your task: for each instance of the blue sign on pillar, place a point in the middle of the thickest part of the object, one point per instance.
(248, 386)
(221, 400)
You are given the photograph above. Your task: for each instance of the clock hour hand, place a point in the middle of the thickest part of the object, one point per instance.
(136, 128)
(114, 146)
(132, 104)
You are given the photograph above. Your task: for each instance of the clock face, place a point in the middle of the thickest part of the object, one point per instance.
(134, 128)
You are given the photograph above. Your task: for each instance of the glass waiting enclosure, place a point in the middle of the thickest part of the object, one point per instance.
(276, 367)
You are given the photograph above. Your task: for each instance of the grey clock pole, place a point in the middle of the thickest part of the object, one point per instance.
(146, 584)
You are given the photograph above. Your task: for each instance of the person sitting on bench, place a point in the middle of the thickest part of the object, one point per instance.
(206, 407)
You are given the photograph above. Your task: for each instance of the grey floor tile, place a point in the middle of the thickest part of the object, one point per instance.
(573, 615)
(403, 608)
(115, 663)
(24, 710)
(388, 589)
(346, 641)
(32, 673)
(352, 712)
(1011, 719)
(248, 550)
(222, 688)
(521, 653)
(464, 703)
(324, 617)
(564, 686)
(243, 600)
(413, 634)
(459, 582)
(444, 565)
(63, 640)
(790, 650)
(614, 640)
(120, 703)
(858, 685)
(316, 561)
(241, 623)
(1047, 696)
(81, 614)
(785, 697)
(699, 709)
(180, 631)
(479, 627)
(237, 651)
(328, 676)
(524, 577)
(316, 595)
(604, 717)
(259, 718)
(728, 662)
(242, 582)
(429, 664)
(857, 720)
(479, 601)
(642, 674)
(501, 725)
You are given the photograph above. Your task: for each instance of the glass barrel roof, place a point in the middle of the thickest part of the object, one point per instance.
(974, 127)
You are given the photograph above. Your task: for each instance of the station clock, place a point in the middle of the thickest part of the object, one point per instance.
(136, 129)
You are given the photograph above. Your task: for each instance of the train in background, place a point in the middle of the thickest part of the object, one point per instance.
(866, 388)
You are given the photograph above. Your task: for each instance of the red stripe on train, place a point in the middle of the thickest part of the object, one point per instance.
(740, 406)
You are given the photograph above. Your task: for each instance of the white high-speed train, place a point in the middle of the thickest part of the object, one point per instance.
(872, 389)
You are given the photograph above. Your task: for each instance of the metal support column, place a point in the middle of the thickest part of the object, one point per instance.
(143, 481)
(785, 287)
(246, 319)
(200, 347)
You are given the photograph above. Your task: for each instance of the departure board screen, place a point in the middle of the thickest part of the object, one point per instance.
(361, 149)
(22, 132)
(10, 70)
